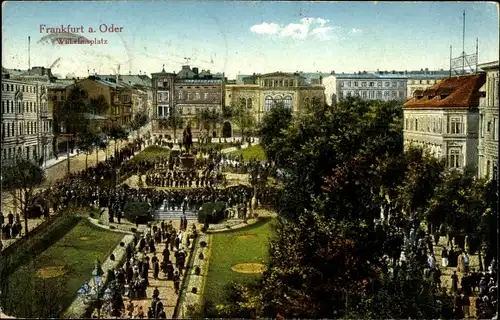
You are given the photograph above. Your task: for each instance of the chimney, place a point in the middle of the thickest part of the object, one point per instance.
(320, 79)
(195, 70)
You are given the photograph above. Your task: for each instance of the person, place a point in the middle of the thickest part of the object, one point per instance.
(140, 313)
(444, 257)
(465, 262)
(156, 269)
(466, 305)
(454, 282)
(177, 282)
(156, 293)
(431, 261)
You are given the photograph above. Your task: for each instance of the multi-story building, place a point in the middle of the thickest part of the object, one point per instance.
(488, 124)
(26, 120)
(188, 93)
(370, 86)
(444, 119)
(260, 93)
(140, 91)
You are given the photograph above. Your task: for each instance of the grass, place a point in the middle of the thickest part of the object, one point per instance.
(253, 152)
(227, 250)
(76, 251)
(151, 153)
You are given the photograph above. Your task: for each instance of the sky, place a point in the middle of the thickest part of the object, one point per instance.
(245, 37)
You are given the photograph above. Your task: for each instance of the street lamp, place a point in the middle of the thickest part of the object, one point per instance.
(91, 294)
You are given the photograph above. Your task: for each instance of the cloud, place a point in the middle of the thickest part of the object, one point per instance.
(315, 28)
(265, 28)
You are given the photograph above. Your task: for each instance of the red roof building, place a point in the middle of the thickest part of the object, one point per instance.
(444, 119)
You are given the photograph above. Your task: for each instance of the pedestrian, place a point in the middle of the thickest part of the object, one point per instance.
(177, 281)
(444, 257)
(454, 282)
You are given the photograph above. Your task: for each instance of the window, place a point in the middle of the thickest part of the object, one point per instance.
(455, 126)
(355, 83)
(341, 83)
(372, 94)
(495, 171)
(197, 96)
(379, 84)
(348, 83)
(372, 84)
(363, 84)
(205, 96)
(488, 164)
(285, 83)
(386, 93)
(387, 83)
(401, 94)
(180, 95)
(454, 158)
(268, 103)
(288, 102)
(394, 84)
(189, 96)
(489, 127)
(416, 124)
(160, 112)
(394, 94)
(379, 94)
(249, 103)
(495, 129)
(363, 94)
(407, 122)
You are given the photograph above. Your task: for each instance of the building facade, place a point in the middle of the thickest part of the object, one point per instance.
(368, 86)
(188, 93)
(261, 92)
(488, 124)
(444, 120)
(26, 120)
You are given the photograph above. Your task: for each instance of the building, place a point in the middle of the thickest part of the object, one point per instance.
(488, 123)
(444, 119)
(140, 90)
(26, 120)
(259, 93)
(366, 85)
(423, 79)
(188, 93)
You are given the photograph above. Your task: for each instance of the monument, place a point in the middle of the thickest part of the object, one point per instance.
(187, 159)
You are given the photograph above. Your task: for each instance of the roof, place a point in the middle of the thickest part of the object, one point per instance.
(90, 116)
(376, 76)
(453, 92)
(130, 79)
(281, 74)
(488, 65)
(199, 81)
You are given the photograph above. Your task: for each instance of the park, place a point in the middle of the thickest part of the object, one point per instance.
(291, 222)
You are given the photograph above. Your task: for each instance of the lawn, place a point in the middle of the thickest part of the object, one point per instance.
(253, 152)
(151, 153)
(230, 248)
(63, 267)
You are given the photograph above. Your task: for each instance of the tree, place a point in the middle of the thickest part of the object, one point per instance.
(243, 117)
(174, 121)
(140, 119)
(87, 142)
(20, 179)
(117, 133)
(271, 129)
(98, 105)
(74, 109)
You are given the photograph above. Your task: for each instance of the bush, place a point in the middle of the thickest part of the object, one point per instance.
(197, 271)
(212, 212)
(133, 210)
(203, 244)
(112, 227)
(194, 290)
(201, 256)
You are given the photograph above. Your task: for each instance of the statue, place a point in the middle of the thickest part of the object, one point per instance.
(187, 138)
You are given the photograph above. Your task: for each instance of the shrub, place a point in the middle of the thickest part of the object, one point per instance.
(197, 271)
(212, 212)
(135, 209)
(201, 256)
(194, 290)
(112, 227)
(204, 229)
(203, 244)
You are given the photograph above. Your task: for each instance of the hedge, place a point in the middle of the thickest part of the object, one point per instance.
(206, 214)
(136, 209)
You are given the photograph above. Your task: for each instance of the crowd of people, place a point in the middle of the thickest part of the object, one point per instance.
(133, 278)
